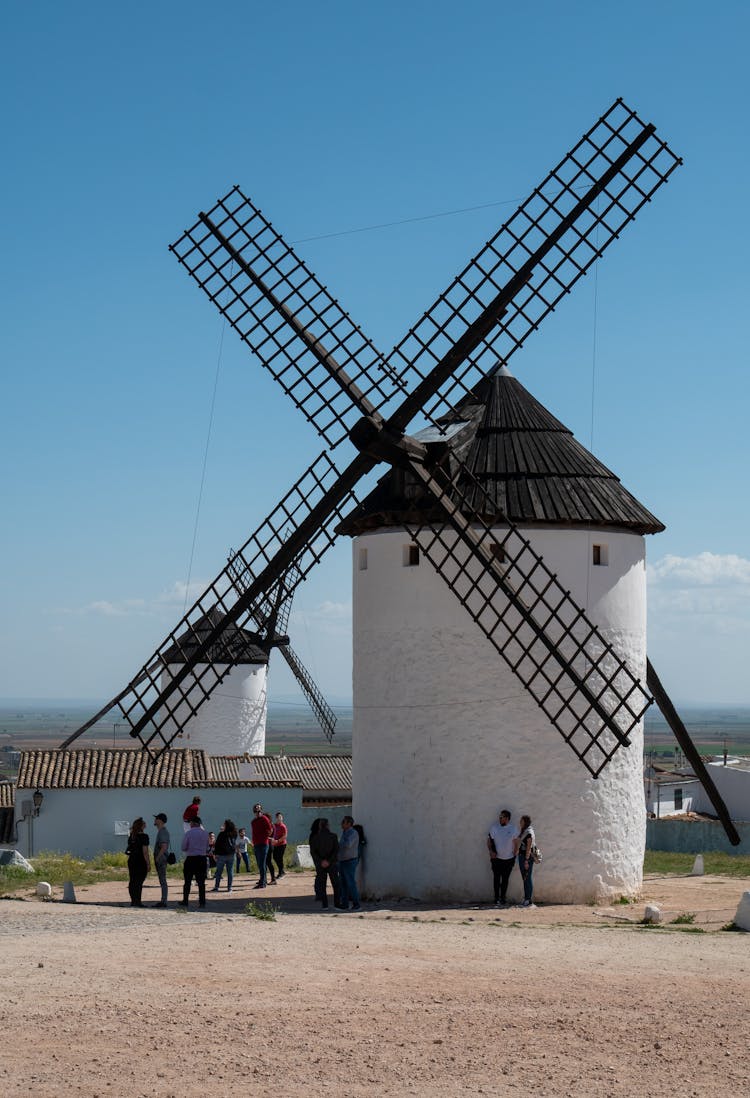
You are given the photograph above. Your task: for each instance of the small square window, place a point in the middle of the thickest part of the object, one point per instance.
(600, 555)
(411, 556)
(363, 560)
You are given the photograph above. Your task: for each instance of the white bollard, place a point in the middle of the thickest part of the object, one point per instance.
(742, 918)
(697, 870)
(69, 893)
(652, 914)
(303, 857)
(44, 890)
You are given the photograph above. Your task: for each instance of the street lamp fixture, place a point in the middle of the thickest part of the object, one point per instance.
(37, 798)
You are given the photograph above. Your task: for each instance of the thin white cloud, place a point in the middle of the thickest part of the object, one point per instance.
(712, 589)
(176, 594)
(327, 616)
(704, 569)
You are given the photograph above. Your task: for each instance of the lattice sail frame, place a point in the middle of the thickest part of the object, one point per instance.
(584, 688)
(504, 256)
(336, 376)
(157, 720)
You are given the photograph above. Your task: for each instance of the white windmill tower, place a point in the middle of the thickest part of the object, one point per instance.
(233, 721)
(445, 736)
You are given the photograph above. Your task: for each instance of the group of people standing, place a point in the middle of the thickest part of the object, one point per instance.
(506, 845)
(336, 860)
(229, 848)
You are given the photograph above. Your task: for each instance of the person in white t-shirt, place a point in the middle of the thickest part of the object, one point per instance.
(501, 845)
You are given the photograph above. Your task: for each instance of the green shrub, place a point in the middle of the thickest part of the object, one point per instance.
(262, 909)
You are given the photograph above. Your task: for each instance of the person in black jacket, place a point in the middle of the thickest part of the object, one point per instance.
(224, 851)
(324, 848)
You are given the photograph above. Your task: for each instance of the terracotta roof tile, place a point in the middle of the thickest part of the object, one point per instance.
(93, 768)
(319, 773)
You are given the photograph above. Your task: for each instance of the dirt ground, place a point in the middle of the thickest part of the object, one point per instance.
(99, 999)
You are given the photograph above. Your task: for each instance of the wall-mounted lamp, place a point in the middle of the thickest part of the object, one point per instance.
(37, 798)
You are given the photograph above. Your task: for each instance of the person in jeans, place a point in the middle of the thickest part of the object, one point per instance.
(261, 828)
(224, 851)
(278, 844)
(324, 848)
(195, 846)
(348, 859)
(524, 843)
(501, 843)
(161, 850)
(241, 843)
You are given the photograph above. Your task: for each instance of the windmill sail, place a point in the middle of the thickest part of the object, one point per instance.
(340, 382)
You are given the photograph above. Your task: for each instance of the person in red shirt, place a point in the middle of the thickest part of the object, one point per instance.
(262, 829)
(278, 843)
(190, 813)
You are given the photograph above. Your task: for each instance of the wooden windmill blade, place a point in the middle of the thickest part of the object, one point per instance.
(298, 348)
(539, 254)
(324, 715)
(277, 556)
(287, 317)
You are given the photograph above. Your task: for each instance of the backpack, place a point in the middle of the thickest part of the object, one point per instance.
(361, 832)
(536, 855)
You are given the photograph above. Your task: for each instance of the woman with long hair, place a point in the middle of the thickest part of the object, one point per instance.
(139, 862)
(224, 850)
(525, 843)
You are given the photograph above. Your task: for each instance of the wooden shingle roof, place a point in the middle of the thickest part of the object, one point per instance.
(527, 462)
(7, 794)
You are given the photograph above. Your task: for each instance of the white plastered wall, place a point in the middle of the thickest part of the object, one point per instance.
(233, 720)
(445, 735)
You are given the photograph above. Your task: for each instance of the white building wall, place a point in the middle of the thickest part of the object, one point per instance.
(662, 800)
(733, 783)
(445, 735)
(233, 720)
(85, 822)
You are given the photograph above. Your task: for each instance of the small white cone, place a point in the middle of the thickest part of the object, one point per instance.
(69, 893)
(44, 890)
(742, 918)
(697, 870)
(652, 914)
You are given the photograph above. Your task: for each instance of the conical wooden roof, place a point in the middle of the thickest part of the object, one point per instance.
(529, 464)
(235, 645)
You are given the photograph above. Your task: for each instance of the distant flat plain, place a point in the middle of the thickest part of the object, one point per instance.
(293, 728)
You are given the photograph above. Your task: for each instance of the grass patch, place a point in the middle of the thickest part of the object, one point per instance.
(623, 900)
(664, 862)
(683, 919)
(57, 868)
(733, 926)
(261, 909)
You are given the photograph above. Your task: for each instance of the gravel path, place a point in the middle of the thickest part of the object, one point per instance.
(99, 999)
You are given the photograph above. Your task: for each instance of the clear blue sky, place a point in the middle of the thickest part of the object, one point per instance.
(122, 121)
